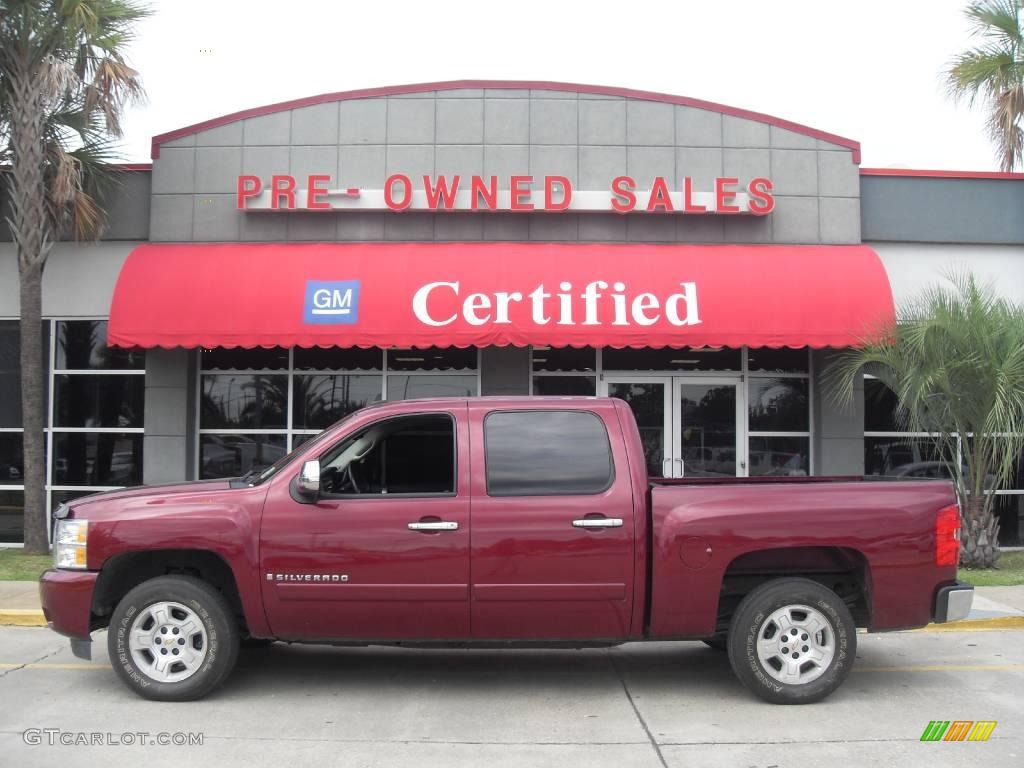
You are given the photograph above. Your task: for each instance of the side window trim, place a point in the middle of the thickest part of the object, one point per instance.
(607, 441)
(453, 420)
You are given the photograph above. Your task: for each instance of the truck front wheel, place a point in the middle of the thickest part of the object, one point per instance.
(173, 638)
(792, 641)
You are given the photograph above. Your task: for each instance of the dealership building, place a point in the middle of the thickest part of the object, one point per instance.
(274, 269)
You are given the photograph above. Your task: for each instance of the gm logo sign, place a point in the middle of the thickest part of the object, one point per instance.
(331, 303)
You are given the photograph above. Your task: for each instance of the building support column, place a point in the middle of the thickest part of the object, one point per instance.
(838, 437)
(166, 444)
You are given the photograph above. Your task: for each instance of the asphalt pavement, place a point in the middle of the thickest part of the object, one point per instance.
(654, 704)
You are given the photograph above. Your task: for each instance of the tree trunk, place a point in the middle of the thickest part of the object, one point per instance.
(979, 537)
(30, 228)
(32, 414)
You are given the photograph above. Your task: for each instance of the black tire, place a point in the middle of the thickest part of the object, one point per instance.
(719, 642)
(752, 618)
(211, 609)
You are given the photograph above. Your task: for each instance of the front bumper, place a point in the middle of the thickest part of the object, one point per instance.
(66, 597)
(953, 603)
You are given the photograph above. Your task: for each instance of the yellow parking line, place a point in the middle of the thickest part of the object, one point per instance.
(947, 668)
(44, 665)
(977, 625)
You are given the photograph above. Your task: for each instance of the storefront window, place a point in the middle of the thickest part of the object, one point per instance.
(404, 387)
(433, 359)
(234, 455)
(778, 405)
(10, 375)
(565, 385)
(257, 404)
(320, 400)
(783, 360)
(98, 412)
(788, 456)
(244, 401)
(12, 515)
(237, 359)
(82, 345)
(564, 359)
(685, 359)
(99, 401)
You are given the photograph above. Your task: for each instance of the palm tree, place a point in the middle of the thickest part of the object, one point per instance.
(994, 71)
(955, 362)
(63, 86)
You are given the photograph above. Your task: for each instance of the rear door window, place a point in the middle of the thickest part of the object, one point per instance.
(546, 453)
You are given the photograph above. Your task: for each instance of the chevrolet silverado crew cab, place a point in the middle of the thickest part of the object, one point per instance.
(500, 521)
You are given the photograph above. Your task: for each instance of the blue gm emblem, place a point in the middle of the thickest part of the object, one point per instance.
(331, 303)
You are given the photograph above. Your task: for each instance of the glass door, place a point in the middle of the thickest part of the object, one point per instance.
(707, 425)
(651, 401)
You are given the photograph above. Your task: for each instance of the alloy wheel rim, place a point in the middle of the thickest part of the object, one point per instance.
(168, 642)
(796, 644)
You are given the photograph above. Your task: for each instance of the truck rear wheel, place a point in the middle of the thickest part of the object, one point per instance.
(792, 641)
(173, 638)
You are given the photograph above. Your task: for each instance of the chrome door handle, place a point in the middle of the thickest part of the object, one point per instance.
(664, 463)
(598, 522)
(682, 467)
(442, 525)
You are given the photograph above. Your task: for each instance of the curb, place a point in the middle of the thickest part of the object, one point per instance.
(22, 618)
(975, 625)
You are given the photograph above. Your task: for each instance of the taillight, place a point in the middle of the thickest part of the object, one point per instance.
(947, 536)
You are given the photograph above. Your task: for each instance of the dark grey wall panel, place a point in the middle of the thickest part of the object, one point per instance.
(942, 210)
(125, 200)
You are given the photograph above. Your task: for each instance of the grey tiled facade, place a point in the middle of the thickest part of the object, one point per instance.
(589, 138)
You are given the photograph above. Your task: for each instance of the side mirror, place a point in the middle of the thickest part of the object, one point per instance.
(308, 482)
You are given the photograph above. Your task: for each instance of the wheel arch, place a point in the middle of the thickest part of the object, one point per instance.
(844, 570)
(123, 572)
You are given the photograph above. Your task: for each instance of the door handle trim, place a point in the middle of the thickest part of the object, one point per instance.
(598, 522)
(441, 525)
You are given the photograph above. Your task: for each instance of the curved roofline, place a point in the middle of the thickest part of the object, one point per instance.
(537, 85)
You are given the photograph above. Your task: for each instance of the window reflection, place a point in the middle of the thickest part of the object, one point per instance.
(81, 458)
(319, 401)
(99, 400)
(779, 405)
(244, 401)
(403, 387)
(784, 456)
(234, 455)
(82, 345)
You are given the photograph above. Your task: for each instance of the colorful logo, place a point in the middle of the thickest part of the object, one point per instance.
(331, 303)
(958, 730)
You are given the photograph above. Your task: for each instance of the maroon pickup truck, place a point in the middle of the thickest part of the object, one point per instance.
(500, 521)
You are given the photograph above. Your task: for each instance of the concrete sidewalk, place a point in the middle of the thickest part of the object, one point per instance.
(993, 608)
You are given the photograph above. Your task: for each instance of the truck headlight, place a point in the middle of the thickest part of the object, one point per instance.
(69, 543)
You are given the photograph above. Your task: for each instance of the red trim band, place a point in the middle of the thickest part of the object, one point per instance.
(921, 173)
(538, 85)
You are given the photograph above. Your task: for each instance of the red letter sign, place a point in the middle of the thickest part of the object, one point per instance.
(722, 194)
(549, 193)
(624, 200)
(282, 186)
(248, 186)
(389, 192)
(762, 201)
(521, 193)
(314, 192)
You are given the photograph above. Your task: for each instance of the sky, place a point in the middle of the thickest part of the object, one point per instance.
(870, 70)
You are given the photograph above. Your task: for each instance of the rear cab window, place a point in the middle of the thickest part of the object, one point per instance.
(547, 453)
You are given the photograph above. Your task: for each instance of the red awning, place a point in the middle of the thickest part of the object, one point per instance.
(461, 294)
